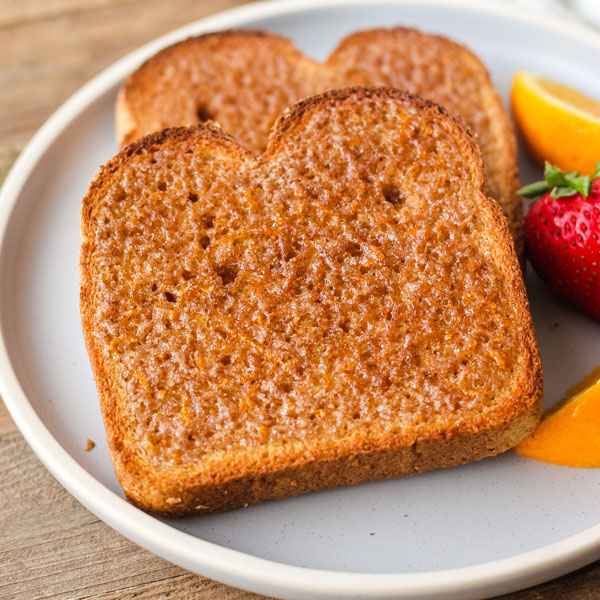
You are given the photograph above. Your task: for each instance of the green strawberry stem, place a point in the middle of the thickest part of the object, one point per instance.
(559, 184)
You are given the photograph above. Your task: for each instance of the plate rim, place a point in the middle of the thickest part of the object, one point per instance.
(210, 559)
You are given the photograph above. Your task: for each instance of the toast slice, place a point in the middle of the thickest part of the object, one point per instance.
(244, 79)
(346, 307)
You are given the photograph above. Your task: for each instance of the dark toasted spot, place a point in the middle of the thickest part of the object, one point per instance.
(393, 195)
(227, 273)
(203, 114)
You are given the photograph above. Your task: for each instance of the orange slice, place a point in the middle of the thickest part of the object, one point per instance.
(569, 433)
(559, 124)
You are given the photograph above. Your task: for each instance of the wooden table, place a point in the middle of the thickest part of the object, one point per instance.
(50, 545)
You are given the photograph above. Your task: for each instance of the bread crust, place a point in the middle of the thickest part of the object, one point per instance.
(229, 480)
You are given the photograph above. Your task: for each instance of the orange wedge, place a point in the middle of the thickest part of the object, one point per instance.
(570, 433)
(559, 124)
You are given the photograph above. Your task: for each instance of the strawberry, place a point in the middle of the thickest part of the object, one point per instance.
(562, 233)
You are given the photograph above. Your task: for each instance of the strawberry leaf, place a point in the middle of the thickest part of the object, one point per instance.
(563, 192)
(554, 176)
(562, 184)
(581, 183)
(534, 189)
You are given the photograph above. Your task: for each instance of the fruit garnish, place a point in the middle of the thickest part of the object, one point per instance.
(569, 433)
(558, 123)
(562, 233)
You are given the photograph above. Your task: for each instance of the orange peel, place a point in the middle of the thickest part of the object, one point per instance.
(569, 433)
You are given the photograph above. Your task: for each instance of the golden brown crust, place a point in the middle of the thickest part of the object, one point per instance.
(399, 57)
(421, 456)
(223, 480)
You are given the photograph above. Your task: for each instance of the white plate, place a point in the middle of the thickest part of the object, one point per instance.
(472, 531)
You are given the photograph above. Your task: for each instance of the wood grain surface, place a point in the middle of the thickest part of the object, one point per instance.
(50, 545)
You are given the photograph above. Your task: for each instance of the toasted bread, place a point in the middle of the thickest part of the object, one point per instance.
(244, 79)
(346, 307)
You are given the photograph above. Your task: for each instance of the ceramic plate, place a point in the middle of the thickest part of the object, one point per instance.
(472, 531)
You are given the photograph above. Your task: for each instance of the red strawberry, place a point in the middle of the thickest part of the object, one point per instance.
(562, 232)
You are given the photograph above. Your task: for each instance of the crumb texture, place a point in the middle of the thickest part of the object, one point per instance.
(348, 284)
(244, 80)
(346, 307)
